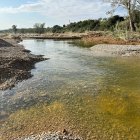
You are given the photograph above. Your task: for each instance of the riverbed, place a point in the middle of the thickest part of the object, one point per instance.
(93, 97)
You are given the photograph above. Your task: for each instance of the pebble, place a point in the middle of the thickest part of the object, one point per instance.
(116, 50)
(52, 136)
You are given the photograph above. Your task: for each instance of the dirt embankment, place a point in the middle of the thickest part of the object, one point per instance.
(95, 38)
(107, 45)
(15, 63)
(57, 36)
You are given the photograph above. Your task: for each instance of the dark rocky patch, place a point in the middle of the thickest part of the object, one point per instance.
(15, 63)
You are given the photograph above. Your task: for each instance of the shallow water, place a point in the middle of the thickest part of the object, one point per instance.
(94, 97)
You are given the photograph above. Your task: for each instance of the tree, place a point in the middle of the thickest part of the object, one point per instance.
(137, 16)
(14, 28)
(130, 6)
(112, 21)
(39, 28)
(42, 27)
(57, 29)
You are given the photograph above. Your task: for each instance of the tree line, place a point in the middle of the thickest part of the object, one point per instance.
(131, 6)
(104, 24)
(131, 22)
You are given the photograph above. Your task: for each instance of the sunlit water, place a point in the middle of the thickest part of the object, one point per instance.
(93, 97)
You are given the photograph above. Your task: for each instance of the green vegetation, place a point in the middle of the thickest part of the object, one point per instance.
(83, 43)
(39, 28)
(131, 6)
(129, 23)
(56, 29)
(112, 23)
(14, 28)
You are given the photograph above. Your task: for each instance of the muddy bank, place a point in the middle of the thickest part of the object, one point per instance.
(116, 50)
(15, 63)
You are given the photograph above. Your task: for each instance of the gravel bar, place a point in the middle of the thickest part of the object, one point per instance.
(116, 50)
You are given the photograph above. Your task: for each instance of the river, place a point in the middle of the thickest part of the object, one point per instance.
(93, 97)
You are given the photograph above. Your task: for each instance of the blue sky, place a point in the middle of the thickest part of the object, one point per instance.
(25, 13)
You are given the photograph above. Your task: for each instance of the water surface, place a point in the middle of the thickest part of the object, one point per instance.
(94, 97)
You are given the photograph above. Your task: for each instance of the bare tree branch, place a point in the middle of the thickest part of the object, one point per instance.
(129, 5)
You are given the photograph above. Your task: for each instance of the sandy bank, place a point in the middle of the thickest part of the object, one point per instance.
(116, 50)
(15, 63)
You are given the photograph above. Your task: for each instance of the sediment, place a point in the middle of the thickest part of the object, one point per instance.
(15, 63)
(51, 136)
(116, 50)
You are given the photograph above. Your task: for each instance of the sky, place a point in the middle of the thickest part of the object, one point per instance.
(25, 13)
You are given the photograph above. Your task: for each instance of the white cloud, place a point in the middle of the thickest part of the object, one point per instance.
(60, 11)
(30, 7)
(61, 8)
(72, 8)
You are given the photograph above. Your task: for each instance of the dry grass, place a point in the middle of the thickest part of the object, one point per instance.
(107, 38)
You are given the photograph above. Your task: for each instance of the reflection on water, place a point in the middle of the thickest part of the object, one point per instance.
(95, 97)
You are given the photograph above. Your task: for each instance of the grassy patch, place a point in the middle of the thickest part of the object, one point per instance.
(83, 43)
